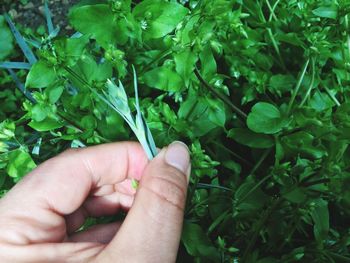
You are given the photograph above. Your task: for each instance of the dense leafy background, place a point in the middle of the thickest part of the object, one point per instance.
(258, 89)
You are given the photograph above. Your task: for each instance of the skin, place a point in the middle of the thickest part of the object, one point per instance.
(40, 216)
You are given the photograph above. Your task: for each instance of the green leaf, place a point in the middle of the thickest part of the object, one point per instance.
(265, 118)
(216, 112)
(71, 49)
(320, 217)
(85, 68)
(307, 116)
(280, 84)
(249, 198)
(89, 70)
(342, 115)
(185, 62)
(39, 112)
(251, 139)
(112, 119)
(290, 38)
(197, 243)
(160, 17)
(103, 72)
(208, 63)
(40, 75)
(54, 93)
(99, 22)
(7, 130)
(326, 11)
(20, 163)
(303, 143)
(297, 195)
(163, 78)
(88, 122)
(6, 39)
(47, 124)
(321, 101)
(202, 114)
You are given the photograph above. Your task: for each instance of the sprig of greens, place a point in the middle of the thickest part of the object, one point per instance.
(258, 89)
(115, 96)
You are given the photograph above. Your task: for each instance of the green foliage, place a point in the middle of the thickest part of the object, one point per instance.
(251, 139)
(198, 244)
(6, 39)
(20, 163)
(259, 90)
(158, 18)
(265, 118)
(40, 75)
(163, 78)
(97, 21)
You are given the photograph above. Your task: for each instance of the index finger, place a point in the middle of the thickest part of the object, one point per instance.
(62, 183)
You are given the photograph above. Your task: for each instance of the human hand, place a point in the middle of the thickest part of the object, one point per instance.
(39, 217)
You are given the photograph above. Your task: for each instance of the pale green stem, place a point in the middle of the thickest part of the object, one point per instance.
(331, 96)
(217, 221)
(297, 87)
(272, 11)
(274, 43)
(311, 84)
(273, 40)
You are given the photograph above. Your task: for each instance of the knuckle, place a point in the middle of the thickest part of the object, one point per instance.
(174, 175)
(168, 190)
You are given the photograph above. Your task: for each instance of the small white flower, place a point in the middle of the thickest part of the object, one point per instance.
(144, 24)
(217, 83)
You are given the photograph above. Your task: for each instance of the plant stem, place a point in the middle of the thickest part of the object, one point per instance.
(275, 46)
(272, 11)
(191, 191)
(220, 95)
(189, 113)
(339, 257)
(63, 116)
(297, 87)
(272, 38)
(331, 95)
(217, 221)
(29, 96)
(255, 187)
(311, 84)
(233, 153)
(78, 127)
(21, 87)
(159, 57)
(320, 181)
(77, 77)
(293, 226)
(262, 158)
(258, 226)
(210, 186)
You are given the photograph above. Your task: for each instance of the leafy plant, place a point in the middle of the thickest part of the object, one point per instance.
(258, 89)
(118, 100)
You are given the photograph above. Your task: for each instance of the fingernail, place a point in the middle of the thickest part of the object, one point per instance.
(177, 155)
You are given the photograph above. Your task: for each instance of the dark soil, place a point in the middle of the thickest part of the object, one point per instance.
(30, 13)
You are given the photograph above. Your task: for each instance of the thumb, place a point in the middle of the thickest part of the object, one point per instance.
(152, 229)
